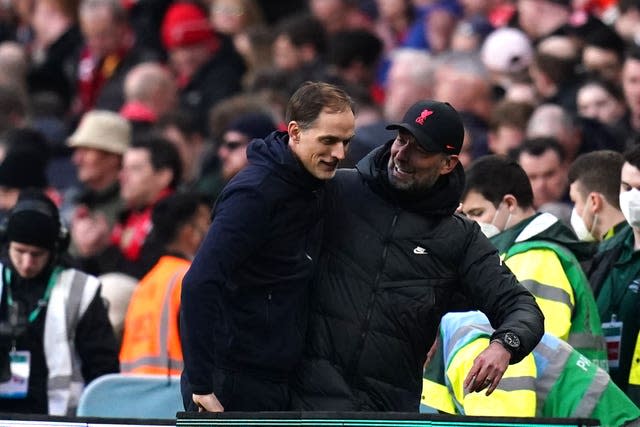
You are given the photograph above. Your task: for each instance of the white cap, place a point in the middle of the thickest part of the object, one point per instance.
(507, 50)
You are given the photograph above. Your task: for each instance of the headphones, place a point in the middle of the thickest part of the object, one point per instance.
(30, 205)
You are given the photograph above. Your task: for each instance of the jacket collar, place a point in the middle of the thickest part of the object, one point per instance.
(442, 199)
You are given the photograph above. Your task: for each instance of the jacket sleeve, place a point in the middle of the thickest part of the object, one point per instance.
(494, 290)
(96, 342)
(239, 226)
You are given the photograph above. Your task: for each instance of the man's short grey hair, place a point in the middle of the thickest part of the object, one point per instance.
(115, 6)
(463, 62)
(549, 120)
(418, 61)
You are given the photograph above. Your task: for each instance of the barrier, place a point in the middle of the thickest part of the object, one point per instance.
(314, 419)
(363, 419)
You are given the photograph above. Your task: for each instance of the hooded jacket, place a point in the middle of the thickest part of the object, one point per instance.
(244, 296)
(391, 266)
(537, 251)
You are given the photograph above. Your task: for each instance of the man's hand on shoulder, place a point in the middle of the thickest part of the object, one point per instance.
(207, 403)
(488, 369)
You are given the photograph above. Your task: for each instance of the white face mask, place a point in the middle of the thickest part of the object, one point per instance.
(490, 229)
(581, 228)
(630, 206)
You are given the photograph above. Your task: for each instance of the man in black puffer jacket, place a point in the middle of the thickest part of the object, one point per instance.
(244, 299)
(395, 258)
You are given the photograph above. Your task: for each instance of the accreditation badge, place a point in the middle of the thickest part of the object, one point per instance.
(18, 385)
(613, 335)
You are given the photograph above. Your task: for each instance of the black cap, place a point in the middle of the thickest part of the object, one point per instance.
(34, 220)
(253, 125)
(23, 168)
(436, 125)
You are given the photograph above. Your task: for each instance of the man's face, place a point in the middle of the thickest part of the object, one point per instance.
(95, 168)
(596, 103)
(631, 84)
(477, 208)
(321, 146)
(629, 177)
(504, 139)
(413, 169)
(580, 202)
(400, 92)
(538, 18)
(140, 184)
(102, 34)
(187, 60)
(8, 197)
(28, 260)
(603, 62)
(285, 54)
(547, 176)
(233, 153)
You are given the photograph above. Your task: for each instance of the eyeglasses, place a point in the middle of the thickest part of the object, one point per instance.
(232, 145)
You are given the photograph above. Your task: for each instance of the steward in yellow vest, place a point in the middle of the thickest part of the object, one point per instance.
(553, 381)
(539, 249)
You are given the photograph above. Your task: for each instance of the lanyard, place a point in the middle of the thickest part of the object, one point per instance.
(42, 302)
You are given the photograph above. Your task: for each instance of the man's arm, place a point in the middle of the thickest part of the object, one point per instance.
(494, 290)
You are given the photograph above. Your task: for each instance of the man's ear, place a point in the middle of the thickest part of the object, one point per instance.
(511, 202)
(596, 201)
(293, 129)
(450, 162)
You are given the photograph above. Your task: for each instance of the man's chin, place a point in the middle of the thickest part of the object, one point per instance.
(399, 184)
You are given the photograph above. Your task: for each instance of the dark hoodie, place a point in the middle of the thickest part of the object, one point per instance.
(244, 297)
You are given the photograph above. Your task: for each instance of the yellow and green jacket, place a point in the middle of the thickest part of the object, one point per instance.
(552, 381)
(537, 252)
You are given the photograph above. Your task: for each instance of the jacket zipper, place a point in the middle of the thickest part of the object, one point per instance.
(352, 367)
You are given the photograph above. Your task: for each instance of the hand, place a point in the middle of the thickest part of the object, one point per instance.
(207, 402)
(488, 369)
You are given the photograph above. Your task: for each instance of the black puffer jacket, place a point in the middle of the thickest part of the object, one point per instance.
(390, 269)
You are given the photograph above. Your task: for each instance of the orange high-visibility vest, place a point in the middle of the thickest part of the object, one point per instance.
(151, 340)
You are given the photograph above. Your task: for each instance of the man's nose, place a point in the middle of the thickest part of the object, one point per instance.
(339, 151)
(403, 152)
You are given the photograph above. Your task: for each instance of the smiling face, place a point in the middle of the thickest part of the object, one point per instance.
(411, 168)
(322, 145)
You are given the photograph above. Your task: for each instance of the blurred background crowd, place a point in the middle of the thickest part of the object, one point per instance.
(111, 106)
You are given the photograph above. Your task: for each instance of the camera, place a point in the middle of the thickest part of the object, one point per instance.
(10, 329)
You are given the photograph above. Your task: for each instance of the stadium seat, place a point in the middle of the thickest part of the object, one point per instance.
(132, 396)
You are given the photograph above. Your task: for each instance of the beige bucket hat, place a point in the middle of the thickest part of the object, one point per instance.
(103, 130)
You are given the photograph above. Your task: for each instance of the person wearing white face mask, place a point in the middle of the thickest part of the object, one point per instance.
(615, 279)
(539, 249)
(594, 188)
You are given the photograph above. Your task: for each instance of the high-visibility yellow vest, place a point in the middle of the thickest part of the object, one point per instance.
(151, 340)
